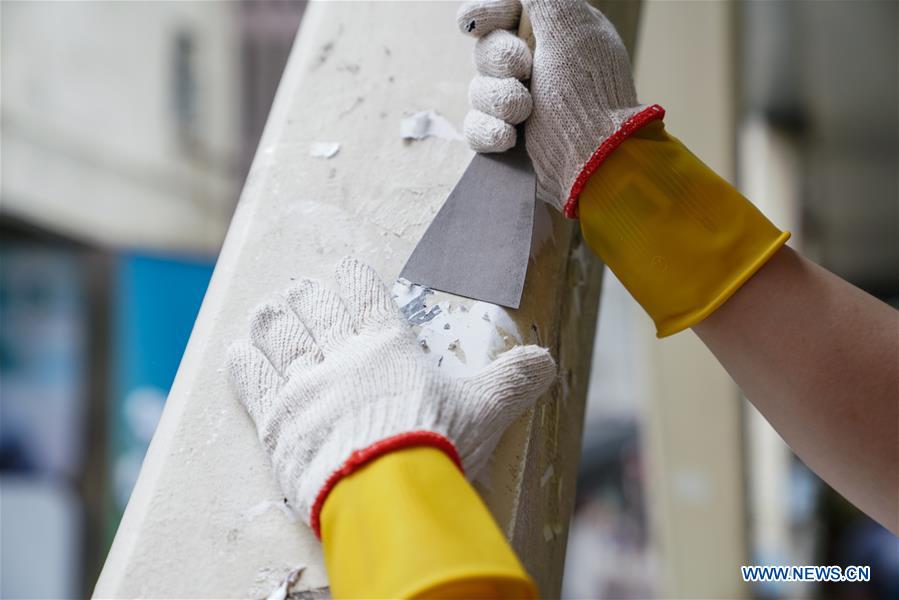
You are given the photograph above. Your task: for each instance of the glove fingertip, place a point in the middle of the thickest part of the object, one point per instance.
(536, 364)
(502, 54)
(348, 264)
(350, 269)
(545, 370)
(262, 317)
(240, 353)
(466, 19)
(364, 289)
(506, 99)
(250, 372)
(480, 17)
(299, 291)
(485, 133)
(516, 378)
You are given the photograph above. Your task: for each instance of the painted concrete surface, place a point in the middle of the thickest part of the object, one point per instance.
(206, 518)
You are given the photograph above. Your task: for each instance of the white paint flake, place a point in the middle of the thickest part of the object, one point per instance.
(266, 505)
(478, 332)
(324, 149)
(281, 592)
(428, 123)
(551, 531)
(547, 533)
(547, 475)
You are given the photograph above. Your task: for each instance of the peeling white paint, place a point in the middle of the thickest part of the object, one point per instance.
(547, 475)
(580, 258)
(266, 505)
(324, 149)
(543, 229)
(297, 217)
(547, 533)
(428, 123)
(463, 335)
(281, 592)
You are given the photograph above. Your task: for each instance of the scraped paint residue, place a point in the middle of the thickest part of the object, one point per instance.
(456, 348)
(543, 229)
(283, 590)
(427, 123)
(266, 505)
(324, 149)
(547, 475)
(461, 335)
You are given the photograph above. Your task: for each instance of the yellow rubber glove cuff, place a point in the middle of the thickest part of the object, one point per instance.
(409, 525)
(679, 237)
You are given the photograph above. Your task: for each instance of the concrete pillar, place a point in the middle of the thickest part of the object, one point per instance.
(206, 518)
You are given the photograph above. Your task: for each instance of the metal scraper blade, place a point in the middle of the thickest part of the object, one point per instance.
(479, 244)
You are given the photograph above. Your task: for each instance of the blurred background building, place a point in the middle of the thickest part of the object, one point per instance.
(127, 130)
(682, 480)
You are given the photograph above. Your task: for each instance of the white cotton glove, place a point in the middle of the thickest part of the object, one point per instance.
(582, 102)
(334, 381)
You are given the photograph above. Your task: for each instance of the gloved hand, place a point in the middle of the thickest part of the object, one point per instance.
(582, 103)
(334, 381)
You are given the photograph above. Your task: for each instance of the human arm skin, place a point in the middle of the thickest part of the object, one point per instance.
(816, 355)
(819, 358)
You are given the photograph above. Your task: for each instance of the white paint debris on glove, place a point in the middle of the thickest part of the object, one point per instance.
(328, 376)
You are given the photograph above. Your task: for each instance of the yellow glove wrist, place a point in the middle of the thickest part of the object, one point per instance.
(679, 237)
(409, 525)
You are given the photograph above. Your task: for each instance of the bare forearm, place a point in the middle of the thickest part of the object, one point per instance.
(817, 356)
(820, 359)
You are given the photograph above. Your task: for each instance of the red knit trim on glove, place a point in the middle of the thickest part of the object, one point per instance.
(360, 458)
(653, 113)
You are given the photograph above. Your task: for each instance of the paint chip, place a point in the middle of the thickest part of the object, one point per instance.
(283, 590)
(264, 506)
(324, 149)
(547, 475)
(428, 123)
(547, 533)
(456, 348)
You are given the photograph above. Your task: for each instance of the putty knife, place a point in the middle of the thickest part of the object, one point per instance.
(479, 244)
